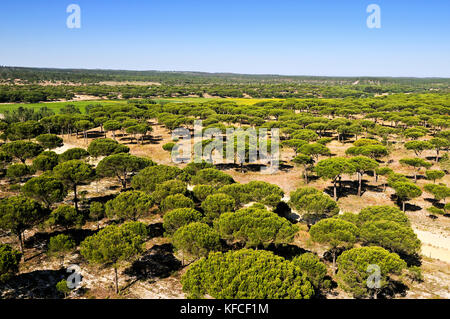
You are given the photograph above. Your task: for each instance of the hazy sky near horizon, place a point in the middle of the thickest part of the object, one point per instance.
(298, 37)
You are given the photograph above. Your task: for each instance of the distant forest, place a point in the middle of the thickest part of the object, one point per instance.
(18, 84)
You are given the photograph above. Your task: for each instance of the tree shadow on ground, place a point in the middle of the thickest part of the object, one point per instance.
(328, 255)
(312, 178)
(114, 188)
(372, 188)
(393, 289)
(129, 141)
(41, 240)
(285, 167)
(418, 176)
(226, 166)
(286, 251)
(38, 284)
(250, 167)
(101, 199)
(342, 190)
(408, 206)
(95, 134)
(435, 203)
(411, 259)
(370, 174)
(351, 188)
(158, 262)
(327, 134)
(412, 208)
(155, 230)
(152, 139)
(283, 210)
(322, 292)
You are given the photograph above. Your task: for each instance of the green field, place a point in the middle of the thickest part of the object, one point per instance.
(55, 106)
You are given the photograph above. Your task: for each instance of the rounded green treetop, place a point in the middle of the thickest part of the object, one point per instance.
(246, 274)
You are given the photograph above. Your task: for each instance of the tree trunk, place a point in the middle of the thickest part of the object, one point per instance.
(21, 243)
(124, 180)
(334, 262)
(116, 279)
(359, 183)
(415, 177)
(306, 176)
(437, 156)
(403, 206)
(334, 190)
(75, 198)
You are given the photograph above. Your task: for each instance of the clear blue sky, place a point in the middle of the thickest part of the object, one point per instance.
(299, 37)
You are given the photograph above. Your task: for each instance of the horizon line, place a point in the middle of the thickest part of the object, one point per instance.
(227, 73)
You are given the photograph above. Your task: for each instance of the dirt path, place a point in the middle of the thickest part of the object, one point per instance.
(436, 246)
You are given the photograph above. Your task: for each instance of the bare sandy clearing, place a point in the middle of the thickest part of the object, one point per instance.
(67, 145)
(435, 246)
(436, 281)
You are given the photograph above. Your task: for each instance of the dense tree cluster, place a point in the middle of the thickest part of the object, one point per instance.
(253, 227)
(9, 262)
(353, 272)
(246, 274)
(171, 84)
(115, 244)
(312, 204)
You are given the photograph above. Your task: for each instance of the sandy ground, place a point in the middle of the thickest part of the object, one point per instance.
(436, 246)
(67, 145)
